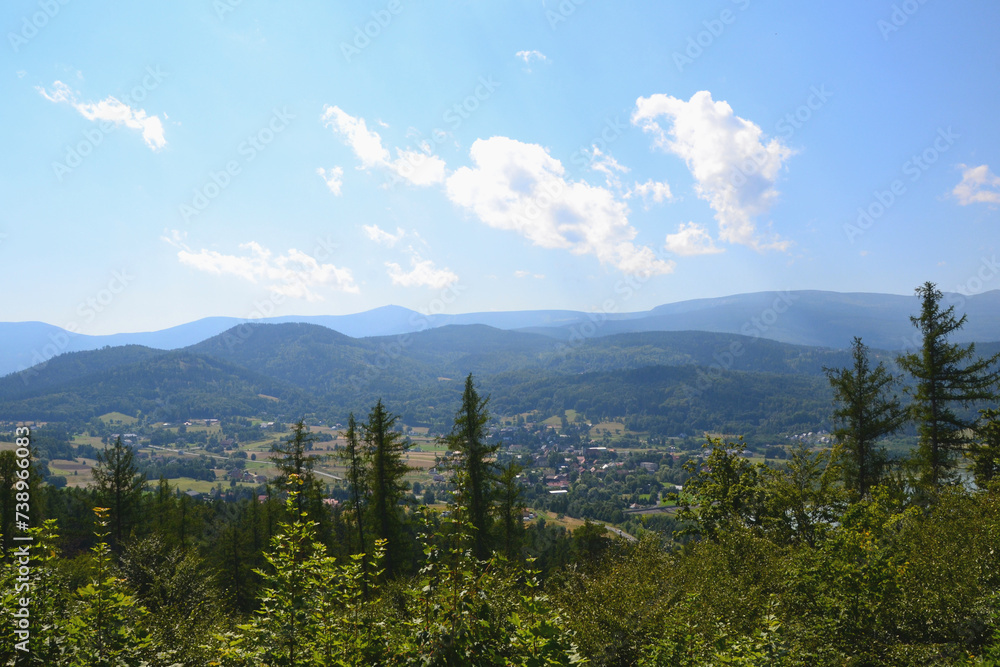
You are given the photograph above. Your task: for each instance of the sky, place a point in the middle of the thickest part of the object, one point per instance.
(168, 161)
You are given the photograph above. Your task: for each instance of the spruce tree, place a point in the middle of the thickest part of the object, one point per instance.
(947, 376)
(475, 466)
(119, 487)
(865, 413)
(292, 458)
(354, 457)
(385, 480)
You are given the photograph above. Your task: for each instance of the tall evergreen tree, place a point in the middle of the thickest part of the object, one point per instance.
(475, 466)
(292, 458)
(865, 413)
(510, 510)
(385, 480)
(353, 456)
(947, 375)
(119, 487)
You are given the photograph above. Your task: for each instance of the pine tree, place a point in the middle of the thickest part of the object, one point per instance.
(385, 479)
(119, 487)
(475, 474)
(865, 413)
(947, 375)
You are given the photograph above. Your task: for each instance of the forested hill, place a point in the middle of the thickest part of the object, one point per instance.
(827, 319)
(667, 381)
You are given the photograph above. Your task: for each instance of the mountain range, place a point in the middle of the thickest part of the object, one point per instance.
(815, 318)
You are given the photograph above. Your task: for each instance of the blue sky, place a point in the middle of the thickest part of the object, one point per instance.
(170, 161)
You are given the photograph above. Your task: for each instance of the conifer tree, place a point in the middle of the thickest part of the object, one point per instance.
(293, 459)
(947, 375)
(385, 480)
(865, 413)
(475, 466)
(353, 456)
(119, 487)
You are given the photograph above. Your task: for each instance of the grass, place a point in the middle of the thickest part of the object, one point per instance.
(118, 416)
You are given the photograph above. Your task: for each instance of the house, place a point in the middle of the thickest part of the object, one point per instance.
(650, 467)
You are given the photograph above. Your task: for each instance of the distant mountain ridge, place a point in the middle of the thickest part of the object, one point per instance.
(815, 318)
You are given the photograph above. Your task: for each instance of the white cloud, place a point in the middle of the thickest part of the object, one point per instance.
(657, 192)
(525, 274)
(294, 274)
(608, 166)
(419, 167)
(519, 187)
(979, 186)
(691, 239)
(734, 169)
(111, 110)
(333, 177)
(423, 273)
(382, 237)
(528, 56)
(366, 144)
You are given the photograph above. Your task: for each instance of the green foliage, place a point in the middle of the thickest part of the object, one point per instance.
(474, 466)
(385, 448)
(865, 413)
(106, 626)
(946, 375)
(119, 485)
(985, 450)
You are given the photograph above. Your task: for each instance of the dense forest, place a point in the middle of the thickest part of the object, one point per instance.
(834, 555)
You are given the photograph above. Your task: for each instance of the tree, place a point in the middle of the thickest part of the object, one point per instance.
(510, 510)
(865, 413)
(119, 486)
(947, 375)
(385, 479)
(985, 451)
(292, 459)
(475, 473)
(353, 456)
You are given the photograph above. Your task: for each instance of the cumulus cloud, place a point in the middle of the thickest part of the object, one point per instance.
(333, 177)
(519, 187)
(294, 274)
(691, 239)
(734, 165)
(422, 273)
(652, 191)
(419, 167)
(110, 110)
(382, 237)
(978, 186)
